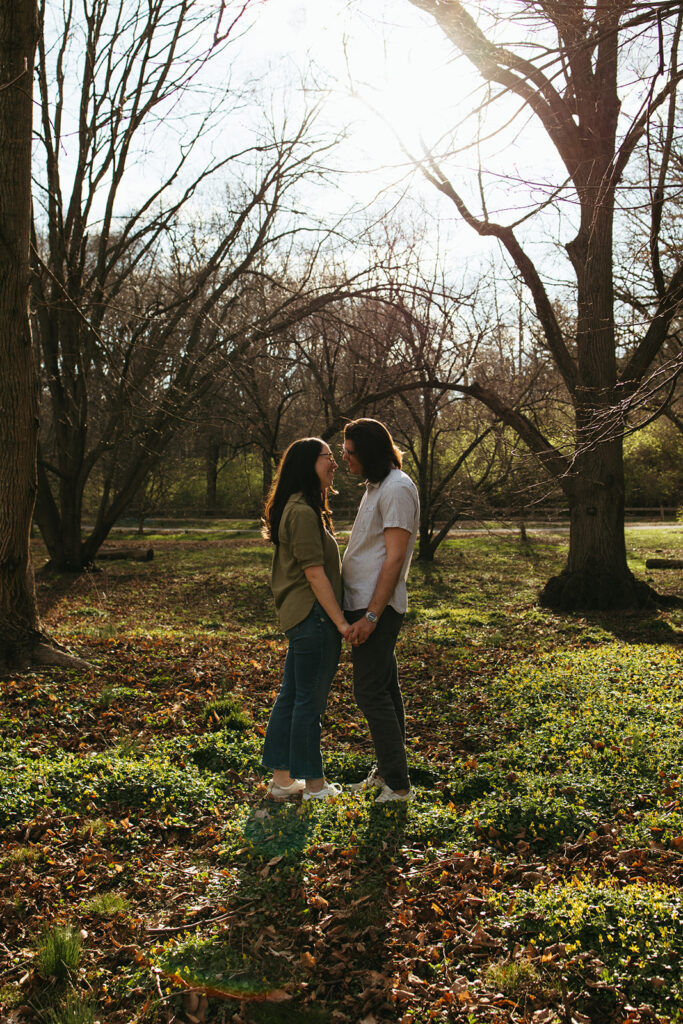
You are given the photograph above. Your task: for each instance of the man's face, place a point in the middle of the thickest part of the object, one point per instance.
(351, 459)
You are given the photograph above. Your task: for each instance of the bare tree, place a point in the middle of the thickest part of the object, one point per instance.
(139, 299)
(651, 235)
(566, 74)
(353, 360)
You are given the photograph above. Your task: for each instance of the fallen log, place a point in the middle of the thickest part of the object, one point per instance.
(129, 554)
(664, 563)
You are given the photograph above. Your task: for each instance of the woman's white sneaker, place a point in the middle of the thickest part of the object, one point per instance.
(295, 788)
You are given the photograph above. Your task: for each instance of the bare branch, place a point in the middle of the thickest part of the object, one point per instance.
(529, 273)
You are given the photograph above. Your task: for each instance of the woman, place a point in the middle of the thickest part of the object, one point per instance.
(306, 584)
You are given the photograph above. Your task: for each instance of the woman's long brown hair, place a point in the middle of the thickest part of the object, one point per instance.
(296, 473)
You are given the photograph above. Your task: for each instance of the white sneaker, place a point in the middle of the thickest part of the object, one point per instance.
(388, 795)
(295, 787)
(329, 789)
(373, 781)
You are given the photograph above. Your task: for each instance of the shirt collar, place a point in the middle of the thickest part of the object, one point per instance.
(370, 486)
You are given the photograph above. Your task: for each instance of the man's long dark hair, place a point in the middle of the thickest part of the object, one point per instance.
(296, 473)
(374, 448)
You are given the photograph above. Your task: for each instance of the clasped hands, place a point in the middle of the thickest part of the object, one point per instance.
(358, 632)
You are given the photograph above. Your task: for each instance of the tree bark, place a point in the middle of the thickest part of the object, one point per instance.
(19, 623)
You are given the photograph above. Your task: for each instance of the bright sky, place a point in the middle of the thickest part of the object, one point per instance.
(387, 74)
(389, 54)
(393, 76)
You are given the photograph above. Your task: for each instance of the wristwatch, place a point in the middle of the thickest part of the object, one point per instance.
(371, 617)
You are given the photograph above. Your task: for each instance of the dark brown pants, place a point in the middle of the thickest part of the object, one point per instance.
(378, 695)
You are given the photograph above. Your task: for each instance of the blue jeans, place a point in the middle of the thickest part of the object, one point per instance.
(293, 734)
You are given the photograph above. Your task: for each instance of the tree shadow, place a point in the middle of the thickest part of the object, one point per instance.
(54, 587)
(635, 627)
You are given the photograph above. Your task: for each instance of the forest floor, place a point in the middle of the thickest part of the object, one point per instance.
(145, 877)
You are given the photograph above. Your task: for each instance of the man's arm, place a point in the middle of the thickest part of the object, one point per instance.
(396, 542)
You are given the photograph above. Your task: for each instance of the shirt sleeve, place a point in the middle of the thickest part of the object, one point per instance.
(303, 534)
(397, 507)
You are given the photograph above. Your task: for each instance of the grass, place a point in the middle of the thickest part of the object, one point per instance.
(58, 952)
(72, 1009)
(635, 929)
(514, 978)
(106, 904)
(24, 855)
(538, 870)
(227, 713)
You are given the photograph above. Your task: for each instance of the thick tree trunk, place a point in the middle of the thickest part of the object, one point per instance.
(70, 540)
(61, 526)
(19, 625)
(426, 547)
(21, 639)
(425, 551)
(597, 574)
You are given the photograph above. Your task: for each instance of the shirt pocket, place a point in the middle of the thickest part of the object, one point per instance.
(368, 511)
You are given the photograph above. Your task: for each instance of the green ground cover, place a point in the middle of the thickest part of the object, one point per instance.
(146, 877)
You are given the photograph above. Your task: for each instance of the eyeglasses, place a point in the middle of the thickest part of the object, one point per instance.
(327, 455)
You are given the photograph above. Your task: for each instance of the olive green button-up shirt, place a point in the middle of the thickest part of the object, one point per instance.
(303, 543)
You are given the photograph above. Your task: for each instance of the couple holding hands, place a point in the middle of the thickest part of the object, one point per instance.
(307, 586)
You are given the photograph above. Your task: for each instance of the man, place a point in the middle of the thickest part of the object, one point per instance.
(374, 571)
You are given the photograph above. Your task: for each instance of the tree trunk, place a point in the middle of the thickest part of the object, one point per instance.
(19, 624)
(21, 639)
(425, 551)
(212, 455)
(597, 575)
(426, 548)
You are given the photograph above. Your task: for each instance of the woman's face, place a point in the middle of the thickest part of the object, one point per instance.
(325, 465)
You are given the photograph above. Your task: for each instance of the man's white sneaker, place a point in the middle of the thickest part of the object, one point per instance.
(373, 781)
(388, 796)
(295, 787)
(329, 789)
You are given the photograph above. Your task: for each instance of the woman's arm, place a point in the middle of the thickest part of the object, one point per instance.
(322, 588)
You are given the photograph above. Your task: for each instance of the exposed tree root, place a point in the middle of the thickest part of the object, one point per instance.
(589, 591)
(47, 654)
(41, 652)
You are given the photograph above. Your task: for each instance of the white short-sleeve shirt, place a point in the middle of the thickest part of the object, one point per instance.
(391, 502)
